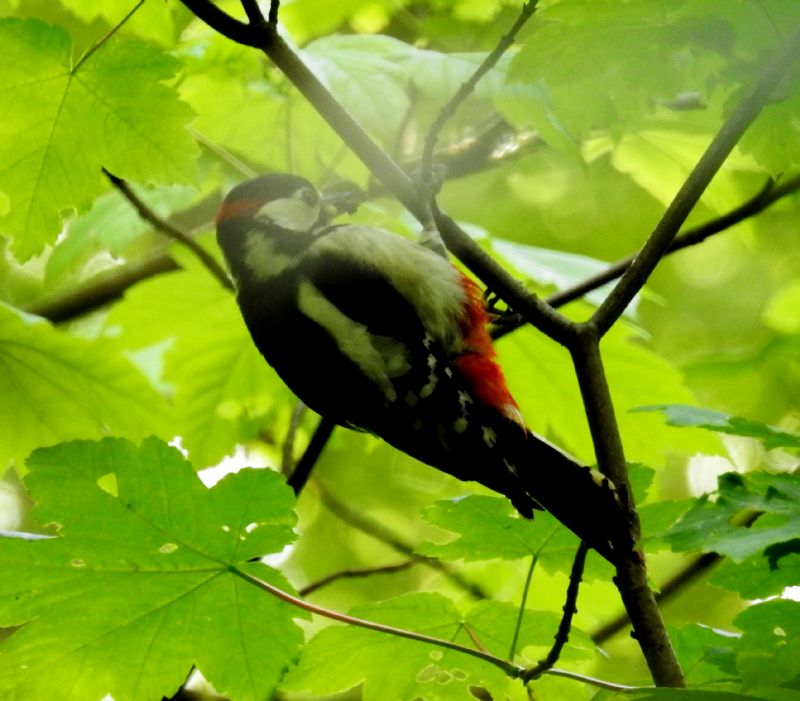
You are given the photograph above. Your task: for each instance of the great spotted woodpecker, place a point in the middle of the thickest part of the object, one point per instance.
(383, 334)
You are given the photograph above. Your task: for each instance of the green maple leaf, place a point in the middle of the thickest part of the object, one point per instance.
(62, 120)
(149, 575)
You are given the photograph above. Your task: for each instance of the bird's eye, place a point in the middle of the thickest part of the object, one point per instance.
(308, 195)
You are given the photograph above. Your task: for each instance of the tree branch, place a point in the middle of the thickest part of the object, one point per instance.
(533, 309)
(631, 578)
(170, 230)
(274, 7)
(253, 12)
(692, 189)
(305, 465)
(689, 573)
(698, 567)
(108, 287)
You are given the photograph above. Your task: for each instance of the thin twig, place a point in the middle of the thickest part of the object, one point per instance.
(450, 107)
(171, 230)
(356, 574)
(305, 465)
(693, 187)
(274, 7)
(570, 609)
(512, 670)
(287, 454)
(521, 613)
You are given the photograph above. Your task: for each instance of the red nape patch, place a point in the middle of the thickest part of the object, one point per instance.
(237, 208)
(478, 363)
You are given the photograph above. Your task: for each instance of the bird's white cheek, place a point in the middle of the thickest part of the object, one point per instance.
(290, 213)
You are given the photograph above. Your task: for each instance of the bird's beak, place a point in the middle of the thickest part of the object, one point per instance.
(343, 197)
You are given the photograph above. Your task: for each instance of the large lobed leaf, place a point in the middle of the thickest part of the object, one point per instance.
(146, 578)
(63, 120)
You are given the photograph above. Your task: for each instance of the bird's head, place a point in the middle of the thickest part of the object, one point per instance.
(280, 200)
(264, 224)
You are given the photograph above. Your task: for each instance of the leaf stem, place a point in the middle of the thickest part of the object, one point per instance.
(521, 613)
(111, 32)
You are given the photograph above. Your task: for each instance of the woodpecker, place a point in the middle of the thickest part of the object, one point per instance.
(382, 334)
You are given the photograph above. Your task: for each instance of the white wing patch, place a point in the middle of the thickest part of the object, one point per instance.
(262, 257)
(380, 358)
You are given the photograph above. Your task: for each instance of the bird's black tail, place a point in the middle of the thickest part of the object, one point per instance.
(584, 500)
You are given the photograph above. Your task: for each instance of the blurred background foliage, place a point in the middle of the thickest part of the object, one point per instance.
(564, 158)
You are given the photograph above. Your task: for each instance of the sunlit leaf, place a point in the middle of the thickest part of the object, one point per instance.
(65, 119)
(146, 567)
